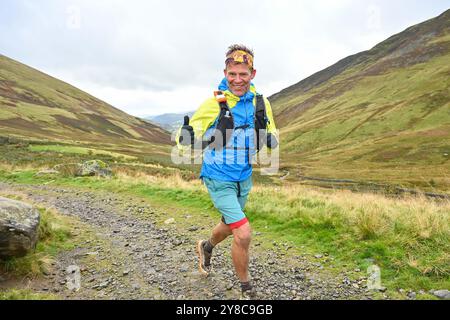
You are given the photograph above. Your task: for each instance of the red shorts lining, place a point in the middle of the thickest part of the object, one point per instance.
(237, 224)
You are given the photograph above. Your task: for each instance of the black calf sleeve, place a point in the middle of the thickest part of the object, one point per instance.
(208, 246)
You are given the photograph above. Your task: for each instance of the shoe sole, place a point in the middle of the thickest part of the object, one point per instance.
(200, 258)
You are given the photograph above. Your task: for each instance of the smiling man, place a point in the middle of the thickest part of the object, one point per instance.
(232, 127)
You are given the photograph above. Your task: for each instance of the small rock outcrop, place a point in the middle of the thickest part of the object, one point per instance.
(95, 168)
(19, 224)
(442, 294)
(85, 169)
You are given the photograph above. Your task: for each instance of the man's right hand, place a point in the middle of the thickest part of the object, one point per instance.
(187, 133)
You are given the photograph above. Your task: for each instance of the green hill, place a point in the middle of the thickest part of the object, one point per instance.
(381, 115)
(36, 106)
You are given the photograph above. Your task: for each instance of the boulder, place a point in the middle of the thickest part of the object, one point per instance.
(19, 224)
(95, 168)
(442, 294)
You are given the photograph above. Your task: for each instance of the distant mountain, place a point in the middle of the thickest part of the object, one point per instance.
(170, 121)
(379, 114)
(36, 105)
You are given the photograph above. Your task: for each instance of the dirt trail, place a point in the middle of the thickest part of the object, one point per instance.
(130, 257)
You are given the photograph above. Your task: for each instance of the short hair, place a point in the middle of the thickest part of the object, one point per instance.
(236, 47)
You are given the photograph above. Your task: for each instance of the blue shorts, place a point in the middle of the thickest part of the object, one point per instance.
(229, 198)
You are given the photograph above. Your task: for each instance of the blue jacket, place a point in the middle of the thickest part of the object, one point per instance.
(233, 162)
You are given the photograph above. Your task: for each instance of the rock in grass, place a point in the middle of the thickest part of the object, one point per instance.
(442, 294)
(19, 224)
(95, 168)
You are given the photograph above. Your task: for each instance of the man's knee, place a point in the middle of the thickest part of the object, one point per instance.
(243, 234)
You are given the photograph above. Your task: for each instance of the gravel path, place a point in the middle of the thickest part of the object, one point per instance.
(131, 257)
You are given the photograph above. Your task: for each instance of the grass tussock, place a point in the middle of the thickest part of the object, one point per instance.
(11, 168)
(173, 180)
(408, 237)
(369, 215)
(25, 294)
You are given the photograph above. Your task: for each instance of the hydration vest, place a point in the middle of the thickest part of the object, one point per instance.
(225, 124)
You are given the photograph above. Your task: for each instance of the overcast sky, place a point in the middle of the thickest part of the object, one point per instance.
(152, 57)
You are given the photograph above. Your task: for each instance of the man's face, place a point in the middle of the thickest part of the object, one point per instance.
(239, 77)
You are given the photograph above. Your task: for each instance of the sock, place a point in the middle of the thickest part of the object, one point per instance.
(208, 246)
(246, 286)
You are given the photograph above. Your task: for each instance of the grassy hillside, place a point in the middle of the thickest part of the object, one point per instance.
(381, 115)
(35, 105)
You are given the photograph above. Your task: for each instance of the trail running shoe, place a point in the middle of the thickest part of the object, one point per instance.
(204, 257)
